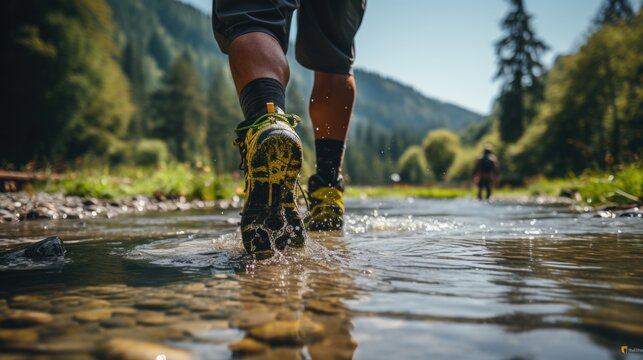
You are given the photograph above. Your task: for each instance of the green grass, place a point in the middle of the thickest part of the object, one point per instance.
(172, 181)
(432, 192)
(597, 188)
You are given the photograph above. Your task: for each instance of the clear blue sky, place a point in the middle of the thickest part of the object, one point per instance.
(444, 49)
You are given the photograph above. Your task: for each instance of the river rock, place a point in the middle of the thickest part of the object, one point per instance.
(129, 349)
(632, 214)
(118, 322)
(27, 318)
(123, 311)
(278, 332)
(248, 346)
(155, 320)
(41, 213)
(93, 315)
(252, 318)
(18, 336)
(155, 305)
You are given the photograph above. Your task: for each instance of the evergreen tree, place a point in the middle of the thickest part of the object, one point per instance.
(179, 111)
(133, 66)
(614, 11)
(69, 96)
(223, 116)
(519, 65)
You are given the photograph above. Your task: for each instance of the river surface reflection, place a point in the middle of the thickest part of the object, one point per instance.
(407, 278)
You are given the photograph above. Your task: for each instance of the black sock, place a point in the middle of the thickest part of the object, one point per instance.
(329, 159)
(256, 94)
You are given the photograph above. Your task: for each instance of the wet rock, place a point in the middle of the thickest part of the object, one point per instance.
(248, 346)
(632, 214)
(41, 213)
(118, 322)
(605, 215)
(196, 328)
(155, 305)
(155, 319)
(194, 288)
(7, 216)
(123, 311)
(67, 346)
(22, 318)
(47, 249)
(18, 336)
(214, 315)
(252, 318)
(90, 202)
(278, 332)
(93, 315)
(128, 349)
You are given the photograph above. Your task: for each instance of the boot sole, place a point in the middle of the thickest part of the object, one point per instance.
(271, 219)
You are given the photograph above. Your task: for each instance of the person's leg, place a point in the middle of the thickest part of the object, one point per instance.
(331, 107)
(488, 190)
(255, 36)
(325, 44)
(480, 190)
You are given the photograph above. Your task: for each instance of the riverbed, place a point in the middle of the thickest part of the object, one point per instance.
(406, 279)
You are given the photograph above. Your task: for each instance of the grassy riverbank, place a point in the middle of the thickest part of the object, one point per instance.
(171, 181)
(592, 188)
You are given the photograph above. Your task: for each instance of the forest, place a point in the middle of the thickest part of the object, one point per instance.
(94, 83)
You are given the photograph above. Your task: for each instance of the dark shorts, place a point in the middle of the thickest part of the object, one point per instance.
(325, 28)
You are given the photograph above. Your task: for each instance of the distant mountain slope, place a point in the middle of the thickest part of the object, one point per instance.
(164, 28)
(391, 104)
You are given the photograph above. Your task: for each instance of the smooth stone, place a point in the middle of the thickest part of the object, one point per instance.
(155, 305)
(123, 311)
(129, 349)
(278, 332)
(215, 315)
(155, 320)
(203, 306)
(322, 307)
(118, 322)
(194, 287)
(93, 315)
(194, 328)
(18, 336)
(248, 319)
(248, 346)
(28, 318)
(67, 346)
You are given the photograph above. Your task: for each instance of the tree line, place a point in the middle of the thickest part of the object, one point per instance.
(82, 90)
(586, 112)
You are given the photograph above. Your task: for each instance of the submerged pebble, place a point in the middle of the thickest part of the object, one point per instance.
(248, 346)
(129, 349)
(93, 315)
(22, 318)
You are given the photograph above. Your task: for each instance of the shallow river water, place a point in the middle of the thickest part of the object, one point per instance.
(407, 279)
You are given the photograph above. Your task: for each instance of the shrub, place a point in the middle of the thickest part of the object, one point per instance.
(151, 152)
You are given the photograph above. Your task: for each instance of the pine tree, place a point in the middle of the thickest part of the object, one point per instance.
(69, 96)
(519, 65)
(223, 116)
(132, 61)
(179, 112)
(614, 11)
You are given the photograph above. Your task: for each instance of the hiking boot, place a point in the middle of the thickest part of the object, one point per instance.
(271, 154)
(326, 204)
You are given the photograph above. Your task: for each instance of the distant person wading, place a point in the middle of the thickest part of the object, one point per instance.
(486, 172)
